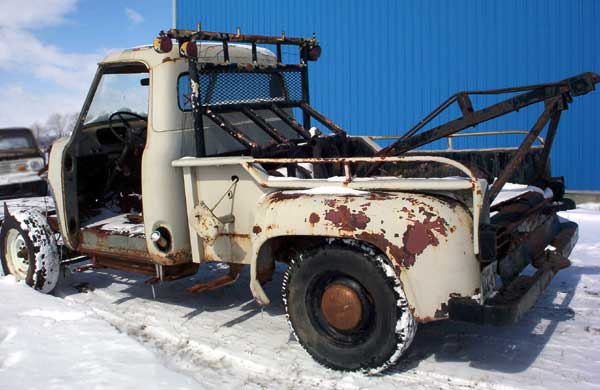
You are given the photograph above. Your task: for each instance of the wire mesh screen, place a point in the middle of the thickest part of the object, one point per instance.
(218, 89)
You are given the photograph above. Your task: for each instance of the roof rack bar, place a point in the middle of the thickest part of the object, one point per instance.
(290, 121)
(231, 129)
(263, 124)
(239, 38)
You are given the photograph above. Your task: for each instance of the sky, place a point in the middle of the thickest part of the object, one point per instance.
(49, 50)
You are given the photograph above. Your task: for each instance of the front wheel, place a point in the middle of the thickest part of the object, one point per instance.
(347, 309)
(28, 250)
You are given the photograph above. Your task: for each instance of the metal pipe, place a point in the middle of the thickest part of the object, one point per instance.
(307, 108)
(231, 129)
(290, 121)
(264, 125)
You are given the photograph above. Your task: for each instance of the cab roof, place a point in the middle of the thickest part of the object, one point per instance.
(208, 52)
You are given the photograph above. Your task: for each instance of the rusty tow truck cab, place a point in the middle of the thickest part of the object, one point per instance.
(212, 153)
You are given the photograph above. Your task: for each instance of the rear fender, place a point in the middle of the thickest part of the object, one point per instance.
(428, 239)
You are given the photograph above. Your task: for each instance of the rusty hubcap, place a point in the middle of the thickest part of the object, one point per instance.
(341, 307)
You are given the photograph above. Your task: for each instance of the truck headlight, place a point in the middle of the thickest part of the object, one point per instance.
(36, 164)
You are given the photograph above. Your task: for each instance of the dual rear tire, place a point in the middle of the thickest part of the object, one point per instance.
(347, 308)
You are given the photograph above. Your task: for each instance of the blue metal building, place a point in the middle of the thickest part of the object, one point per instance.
(387, 63)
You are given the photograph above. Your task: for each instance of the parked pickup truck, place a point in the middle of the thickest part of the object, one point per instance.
(20, 162)
(203, 148)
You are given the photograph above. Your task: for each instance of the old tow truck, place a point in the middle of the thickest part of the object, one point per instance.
(202, 148)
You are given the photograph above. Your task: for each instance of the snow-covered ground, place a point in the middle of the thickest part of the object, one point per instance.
(41, 203)
(103, 330)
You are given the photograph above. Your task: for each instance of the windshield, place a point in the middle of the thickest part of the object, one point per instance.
(119, 92)
(14, 142)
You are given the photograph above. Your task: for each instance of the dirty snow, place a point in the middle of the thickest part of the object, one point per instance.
(42, 203)
(512, 190)
(119, 224)
(103, 330)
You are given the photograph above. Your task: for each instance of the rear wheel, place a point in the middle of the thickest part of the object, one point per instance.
(28, 250)
(347, 309)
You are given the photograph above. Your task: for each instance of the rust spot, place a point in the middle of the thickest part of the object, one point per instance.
(180, 256)
(380, 196)
(423, 320)
(345, 219)
(168, 59)
(314, 218)
(281, 196)
(380, 241)
(407, 211)
(331, 202)
(256, 229)
(236, 236)
(420, 235)
(416, 239)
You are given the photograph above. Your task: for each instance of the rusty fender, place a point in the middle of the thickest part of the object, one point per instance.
(428, 239)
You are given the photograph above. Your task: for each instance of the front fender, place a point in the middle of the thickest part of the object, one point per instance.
(427, 238)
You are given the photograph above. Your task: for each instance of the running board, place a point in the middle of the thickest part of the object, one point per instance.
(221, 281)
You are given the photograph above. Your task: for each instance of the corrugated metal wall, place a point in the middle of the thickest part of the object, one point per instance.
(387, 63)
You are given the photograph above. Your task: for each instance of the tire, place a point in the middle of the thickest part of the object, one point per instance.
(28, 250)
(346, 307)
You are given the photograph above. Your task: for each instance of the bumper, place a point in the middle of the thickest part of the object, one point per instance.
(513, 300)
(21, 190)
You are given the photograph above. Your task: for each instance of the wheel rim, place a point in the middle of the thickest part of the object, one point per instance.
(341, 306)
(17, 255)
(340, 309)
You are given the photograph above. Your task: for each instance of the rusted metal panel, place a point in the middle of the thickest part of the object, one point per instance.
(419, 233)
(124, 247)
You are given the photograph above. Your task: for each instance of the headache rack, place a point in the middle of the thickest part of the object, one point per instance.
(223, 87)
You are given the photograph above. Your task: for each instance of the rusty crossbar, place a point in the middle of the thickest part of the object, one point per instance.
(290, 121)
(237, 37)
(264, 125)
(309, 47)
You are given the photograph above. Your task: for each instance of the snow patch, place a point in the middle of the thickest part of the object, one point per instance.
(56, 315)
(119, 224)
(512, 190)
(333, 190)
